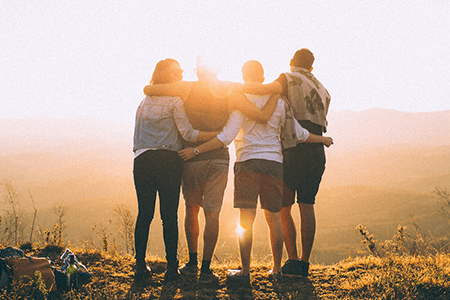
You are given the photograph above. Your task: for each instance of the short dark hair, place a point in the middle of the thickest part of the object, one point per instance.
(303, 58)
(253, 71)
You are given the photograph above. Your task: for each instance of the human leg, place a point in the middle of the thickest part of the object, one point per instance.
(246, 191)
(193, 184)
(214, 188)
(210, 234)
(146, 187)
(292, 175)
(273, 220)
(296, 266)
(305, 174)
(169, 195)
(169, 198)
(289, 233)
(191, 227)
(306, 197)
(307, 229)
(246, 220)
(146, 208)
(271, 198)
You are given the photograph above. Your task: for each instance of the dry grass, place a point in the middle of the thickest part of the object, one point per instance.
(390, 277)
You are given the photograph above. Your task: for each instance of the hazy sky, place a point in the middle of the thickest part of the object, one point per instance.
(92, 58)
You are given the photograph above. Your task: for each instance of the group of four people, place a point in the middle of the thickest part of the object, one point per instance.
(277, 129)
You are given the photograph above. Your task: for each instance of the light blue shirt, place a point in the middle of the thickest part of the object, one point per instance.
(161, 123)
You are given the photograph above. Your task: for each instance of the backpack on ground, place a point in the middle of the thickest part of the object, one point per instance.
(27, 266)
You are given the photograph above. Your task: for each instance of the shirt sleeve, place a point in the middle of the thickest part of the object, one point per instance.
(231, 128)
(181, 120)
(302, 133)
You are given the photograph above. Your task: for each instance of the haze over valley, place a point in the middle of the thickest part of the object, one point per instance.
(381, 173)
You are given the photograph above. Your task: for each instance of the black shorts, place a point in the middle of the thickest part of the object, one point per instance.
(303, 167)
(258, 177)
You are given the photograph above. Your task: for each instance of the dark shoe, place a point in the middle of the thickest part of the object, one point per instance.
(189, 270)
(234, 276)
(274, 276)
(142, 271)
(208, 277)
(295, 268)
(171, 274)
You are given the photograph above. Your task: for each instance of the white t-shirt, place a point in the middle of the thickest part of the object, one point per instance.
(254, 140)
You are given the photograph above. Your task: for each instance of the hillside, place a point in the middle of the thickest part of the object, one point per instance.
(393, 277)
(380, 172)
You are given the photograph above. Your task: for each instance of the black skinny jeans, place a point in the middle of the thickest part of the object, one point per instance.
(157, 171)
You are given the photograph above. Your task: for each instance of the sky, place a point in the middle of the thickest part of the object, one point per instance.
(69, 59)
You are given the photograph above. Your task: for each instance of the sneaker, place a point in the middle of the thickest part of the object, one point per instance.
(142, 271)
(208, 277)
(274, 276)
(188, 270)
(236, 277)
(171, 274)
(295, 268)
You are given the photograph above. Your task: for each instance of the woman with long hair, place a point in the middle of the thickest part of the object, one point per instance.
(161, 125)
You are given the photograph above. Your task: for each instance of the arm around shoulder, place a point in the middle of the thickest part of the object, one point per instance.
(240, 102)
(261, 89)
(173, 89)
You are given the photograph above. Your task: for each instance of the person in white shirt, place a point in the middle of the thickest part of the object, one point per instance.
(258, 170)
(304, 164)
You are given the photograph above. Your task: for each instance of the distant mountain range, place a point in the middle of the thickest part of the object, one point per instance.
(381, 160)
(382, 127)
(351, 130)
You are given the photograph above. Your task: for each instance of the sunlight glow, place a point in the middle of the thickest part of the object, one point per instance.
(240, 231)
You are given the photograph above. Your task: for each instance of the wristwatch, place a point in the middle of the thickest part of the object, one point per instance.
(196, 151)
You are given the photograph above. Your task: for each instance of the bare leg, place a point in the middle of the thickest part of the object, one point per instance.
(290, 233)
(276, 238)
(307, 229)
(210, 234)
(247, 217)
(191, 227)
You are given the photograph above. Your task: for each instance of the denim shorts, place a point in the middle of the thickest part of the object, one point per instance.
(204, 183)
(258, 177)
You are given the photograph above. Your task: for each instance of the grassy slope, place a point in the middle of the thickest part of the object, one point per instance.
(393, 277)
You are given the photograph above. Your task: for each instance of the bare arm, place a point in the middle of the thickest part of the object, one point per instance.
(304, 136)
(261, 89)
(224, 138)
(188, 153)
(326, 140)
(206, 135)
(240, 102)
(173, 89)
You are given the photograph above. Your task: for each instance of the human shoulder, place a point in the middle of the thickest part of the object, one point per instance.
(165, 101)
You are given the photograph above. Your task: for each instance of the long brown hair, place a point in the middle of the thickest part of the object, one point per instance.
(162, 71)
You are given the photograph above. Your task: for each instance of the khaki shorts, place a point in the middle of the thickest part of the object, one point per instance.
(204, 183)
